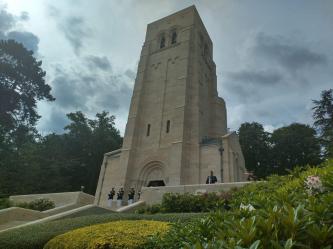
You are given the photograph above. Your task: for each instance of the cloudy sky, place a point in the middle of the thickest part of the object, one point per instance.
(272, 57)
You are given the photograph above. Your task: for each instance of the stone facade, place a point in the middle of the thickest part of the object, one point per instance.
(176, 131)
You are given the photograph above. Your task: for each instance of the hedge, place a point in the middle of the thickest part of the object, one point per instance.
(36, 236)
(130, 234)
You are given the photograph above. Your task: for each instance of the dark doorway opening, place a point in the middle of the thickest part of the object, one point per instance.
(157, 183)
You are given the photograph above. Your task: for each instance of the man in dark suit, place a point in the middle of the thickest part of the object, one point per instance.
(211, 179)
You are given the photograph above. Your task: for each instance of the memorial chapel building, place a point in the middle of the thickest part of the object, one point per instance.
(176, 131)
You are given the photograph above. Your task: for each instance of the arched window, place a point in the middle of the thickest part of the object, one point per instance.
(174, 37)
(162, 43)
(148, 130)
(168, 126)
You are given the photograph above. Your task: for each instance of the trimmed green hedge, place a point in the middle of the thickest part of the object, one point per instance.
(5, 203)
(190, 203)
(39, 204)
(42, 204)
(129, 234)
(36, 236)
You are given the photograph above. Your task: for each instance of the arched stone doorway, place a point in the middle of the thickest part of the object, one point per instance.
(152, 175)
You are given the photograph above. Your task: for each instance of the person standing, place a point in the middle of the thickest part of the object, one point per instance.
(211, 179)
(110, 197)
(120, 195)
(131, 195)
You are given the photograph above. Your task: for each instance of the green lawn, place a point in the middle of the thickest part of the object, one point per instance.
(90, 211)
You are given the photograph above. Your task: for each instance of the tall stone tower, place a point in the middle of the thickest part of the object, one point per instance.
(176, 131)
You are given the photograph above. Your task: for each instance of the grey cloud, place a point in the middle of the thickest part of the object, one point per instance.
(66, 92)
(247, 86)
(53, 11)
(130, 74)
(102, 63)
(28, 39)
(289, 55)
(241, 92)
(7, 20)
(75, 30)
(89, 91)
(256, 77)
(24, 16)
(116, 99)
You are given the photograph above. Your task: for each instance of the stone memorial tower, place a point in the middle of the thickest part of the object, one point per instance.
(176, 131)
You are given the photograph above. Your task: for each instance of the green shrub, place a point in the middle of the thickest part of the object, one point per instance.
(5, 203)
(189, 203)
(38, 204)
(130, 234)
(36, 236)
(285, 215)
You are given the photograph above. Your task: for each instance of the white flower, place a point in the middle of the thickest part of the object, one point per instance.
(313, 185)
(247, 207)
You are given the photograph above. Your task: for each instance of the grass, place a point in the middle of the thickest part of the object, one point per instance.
(36, 236)
(87, 212)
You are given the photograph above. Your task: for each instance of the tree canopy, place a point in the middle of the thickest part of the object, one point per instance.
(255, 146)
(294, 145)
(22, 84)
(61, 162)
(323, 120)
(277, 152)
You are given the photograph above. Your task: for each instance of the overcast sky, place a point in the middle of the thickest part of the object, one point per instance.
(272, 57)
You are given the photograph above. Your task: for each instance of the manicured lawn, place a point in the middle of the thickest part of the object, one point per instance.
(87, 212)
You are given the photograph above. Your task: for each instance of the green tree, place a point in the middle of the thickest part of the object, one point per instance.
(323, 120)
(105, 138)
(87, 141)
(294, 145)
(61, 162)
(22, 84)
(254, 142)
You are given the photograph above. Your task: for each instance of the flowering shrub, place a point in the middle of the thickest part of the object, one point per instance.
(279, 214)
(130, 234)
(314, 185)
(247, 207)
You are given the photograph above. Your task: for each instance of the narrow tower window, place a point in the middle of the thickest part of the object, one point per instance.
(174, 37)
(162, 44)
(168, 126)
(205, 53)
(148, 130)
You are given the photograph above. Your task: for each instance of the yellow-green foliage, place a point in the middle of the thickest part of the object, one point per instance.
(131, 234)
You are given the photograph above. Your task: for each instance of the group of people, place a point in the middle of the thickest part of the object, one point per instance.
(120, 195)
(211, 179)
